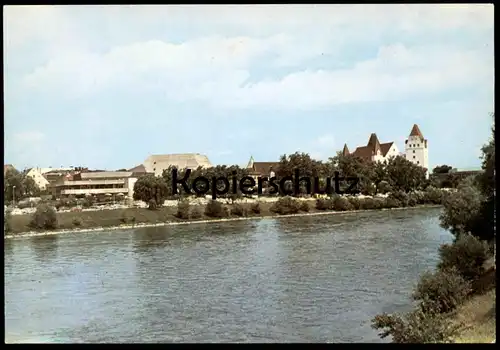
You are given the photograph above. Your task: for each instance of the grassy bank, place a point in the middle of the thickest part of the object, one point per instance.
(85, 220)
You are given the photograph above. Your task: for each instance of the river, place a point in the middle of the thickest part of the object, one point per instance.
(301, 279)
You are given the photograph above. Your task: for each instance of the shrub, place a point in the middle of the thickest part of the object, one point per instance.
(152, 205)
(391, 203)
(196, 213)
(324, 204)
(341, 204)
(368, 203)
(355, 202)
(255, 208)
(441, 291)
(433, 195)
(215, 209)
(412, 199)
(183, 209)
(416, 327)
(24, 204)
(304, 206)
(7, 216)
(384, 187)
(45, 217)
(467, 254)
(461, 208)
(88, 202)
(239, 210)
(286, 205)
(77, 222)
(401, 197)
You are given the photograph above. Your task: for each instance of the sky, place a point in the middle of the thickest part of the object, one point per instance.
(106, 86)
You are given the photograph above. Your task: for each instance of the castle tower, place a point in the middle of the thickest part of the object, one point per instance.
(416, 149)
(345, 151)
(374, 146)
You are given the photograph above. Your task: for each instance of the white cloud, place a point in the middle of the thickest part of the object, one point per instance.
(217, 69)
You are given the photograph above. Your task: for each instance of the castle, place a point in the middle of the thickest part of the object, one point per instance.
(416, 149)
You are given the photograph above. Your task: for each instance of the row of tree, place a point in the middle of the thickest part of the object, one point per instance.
(395, 174)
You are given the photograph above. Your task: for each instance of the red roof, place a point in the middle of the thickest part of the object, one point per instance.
(264, 168)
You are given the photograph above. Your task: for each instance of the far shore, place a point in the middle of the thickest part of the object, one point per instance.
(265, 214)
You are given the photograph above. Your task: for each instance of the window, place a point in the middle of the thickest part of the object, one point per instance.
(418, 144)
(154, 169)
(154, 163)
(413, 151)
(413, 157)
(418, 162)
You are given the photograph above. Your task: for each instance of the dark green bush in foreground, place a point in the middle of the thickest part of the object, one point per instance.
(285, 206)
(216, 209)
(441, 291)
(44, 218)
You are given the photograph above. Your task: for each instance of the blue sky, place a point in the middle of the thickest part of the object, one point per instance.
(106, 86)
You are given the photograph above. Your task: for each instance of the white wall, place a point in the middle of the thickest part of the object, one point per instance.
(39, 179)
(417, 153)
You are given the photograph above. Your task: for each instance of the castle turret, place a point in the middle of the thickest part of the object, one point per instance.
(416, 148)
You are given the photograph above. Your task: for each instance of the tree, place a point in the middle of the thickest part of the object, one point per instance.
(378, 174)
(403, 175)
(442, 169)
(18, 185)
(151, 189)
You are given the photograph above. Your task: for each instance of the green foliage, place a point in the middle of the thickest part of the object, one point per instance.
(255, 208)
(239, 210)
(77, 222)
(183, 209)
(340, 203)
(441, 291)
(196, 213)
(461, 209)
(44, 218)
(152, 190)
(215, 209)
(7, 216)
(403, 175)
(18, 185)
(285, 205)
(416, 327)
(442, 169)
(324, 204)
(433, 195)
(467, 255)
(304, 206)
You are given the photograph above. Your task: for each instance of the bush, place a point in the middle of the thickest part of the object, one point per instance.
(24, 204)
(183, 208)
(88, 202)
(238, 210)
(384, 187)
(401, 197)
(77, 222)
(367, 204)
(215, 209)
(467, 254)
(461, 208)
(392, 203)
(441, 291)
(286, 205)
(416, 327)
(126, 219)
(355, 202)
(45, 217)
(324, 204)
(304, 206)
(255, 208)
(7, 216)
(412, 199)
(196, 213)
(433, 195)
(152, 205)
(341, 204)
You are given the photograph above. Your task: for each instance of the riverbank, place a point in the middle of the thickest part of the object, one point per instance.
(166, 216)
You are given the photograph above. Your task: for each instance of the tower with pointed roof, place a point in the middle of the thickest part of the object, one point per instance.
(416, 148)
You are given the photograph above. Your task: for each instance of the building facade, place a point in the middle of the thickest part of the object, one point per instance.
(374, 150)
(158, 163)
(109, 183)
(37, 175)
(417, 148)
(262, 169)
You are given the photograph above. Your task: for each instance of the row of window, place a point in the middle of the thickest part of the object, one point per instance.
(417, 145)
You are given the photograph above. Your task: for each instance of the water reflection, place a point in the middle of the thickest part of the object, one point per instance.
(45, 247)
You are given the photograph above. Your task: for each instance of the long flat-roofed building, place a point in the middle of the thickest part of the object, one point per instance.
(119, 183)
(157, 163)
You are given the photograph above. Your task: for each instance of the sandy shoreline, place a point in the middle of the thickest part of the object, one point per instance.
(192, 222)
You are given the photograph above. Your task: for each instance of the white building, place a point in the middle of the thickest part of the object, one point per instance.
(416, 149)
(112, 183)
(374, 151)
(37, 175)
